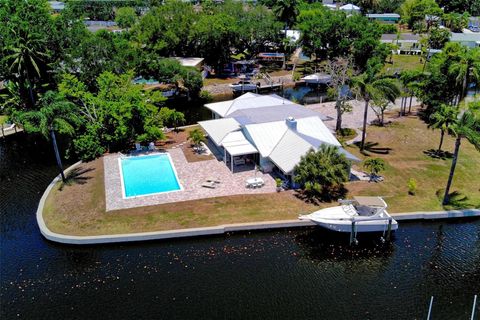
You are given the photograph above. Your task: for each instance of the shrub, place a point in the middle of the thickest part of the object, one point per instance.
(278, 182)
(412, 186)
(206, 96)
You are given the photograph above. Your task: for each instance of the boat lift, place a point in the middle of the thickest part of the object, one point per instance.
(472, 317)
(387, 231)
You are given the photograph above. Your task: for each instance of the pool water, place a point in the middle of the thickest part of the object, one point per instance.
(145, 175)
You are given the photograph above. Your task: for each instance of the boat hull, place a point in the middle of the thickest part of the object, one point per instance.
(360, 226)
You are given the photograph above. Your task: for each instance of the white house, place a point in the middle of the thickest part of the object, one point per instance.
(470, 40)
(270, 131)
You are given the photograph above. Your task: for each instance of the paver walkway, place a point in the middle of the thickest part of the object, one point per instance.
(191, 176)
(352, 119)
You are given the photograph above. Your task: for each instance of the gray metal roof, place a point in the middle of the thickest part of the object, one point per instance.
(465, 37)
(403, 36)
(274, 113)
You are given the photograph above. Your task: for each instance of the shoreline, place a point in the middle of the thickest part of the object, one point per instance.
(213, 230)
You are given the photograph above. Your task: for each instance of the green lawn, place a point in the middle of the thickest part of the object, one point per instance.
(3, 119)
(403, 62)
(79, 207)
(404, 145)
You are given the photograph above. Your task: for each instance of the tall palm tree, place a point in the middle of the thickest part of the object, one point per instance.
(466, 126)
(441, 119)
(370, 87)
(286, 11)
(410, 81)
(25, 60)
(466, 67)
(54, 115)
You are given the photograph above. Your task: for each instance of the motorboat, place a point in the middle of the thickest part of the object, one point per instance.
(317, 78)
(362, 214)
(243, 85)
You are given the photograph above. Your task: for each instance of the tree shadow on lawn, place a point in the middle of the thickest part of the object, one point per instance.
(457, 201)
(443, 155)
(372, 147)
(324, 197)
(76, 176)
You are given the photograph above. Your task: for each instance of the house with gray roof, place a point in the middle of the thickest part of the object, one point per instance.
(470, 40)
(267, 130)
(404, 42)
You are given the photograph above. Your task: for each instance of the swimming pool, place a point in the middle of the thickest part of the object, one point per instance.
(146, 175)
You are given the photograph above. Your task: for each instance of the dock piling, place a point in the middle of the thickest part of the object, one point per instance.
(430, 308)
(473, 308)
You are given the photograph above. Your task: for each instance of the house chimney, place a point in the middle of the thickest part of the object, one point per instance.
(291, 123)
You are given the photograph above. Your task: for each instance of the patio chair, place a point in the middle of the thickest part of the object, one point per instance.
(151, 146)
(209, 184)
(138, 147)
(215, 180)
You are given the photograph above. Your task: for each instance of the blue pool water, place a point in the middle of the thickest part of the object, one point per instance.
(144, 175)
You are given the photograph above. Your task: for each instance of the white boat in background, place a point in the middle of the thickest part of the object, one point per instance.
(317, 78)
(362, 214)
(243, 85)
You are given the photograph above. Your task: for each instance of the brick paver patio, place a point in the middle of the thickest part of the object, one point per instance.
(191, 176)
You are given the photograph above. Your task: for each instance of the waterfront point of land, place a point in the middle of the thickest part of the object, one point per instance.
(78, 207)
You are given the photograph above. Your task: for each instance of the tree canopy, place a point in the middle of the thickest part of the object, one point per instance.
(330, 34)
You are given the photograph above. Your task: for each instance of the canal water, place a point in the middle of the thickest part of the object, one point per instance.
(194, 110)
(287, 274)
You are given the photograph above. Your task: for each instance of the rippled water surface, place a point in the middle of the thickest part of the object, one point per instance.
(296, 274)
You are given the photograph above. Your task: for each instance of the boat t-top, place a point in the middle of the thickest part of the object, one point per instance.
(362, 214)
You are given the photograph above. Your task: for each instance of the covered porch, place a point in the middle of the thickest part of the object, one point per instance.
(239, 152)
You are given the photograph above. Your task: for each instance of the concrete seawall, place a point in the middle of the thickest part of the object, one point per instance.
(216, 230)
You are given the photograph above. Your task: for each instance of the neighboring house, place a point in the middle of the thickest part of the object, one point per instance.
(193, 62)
(268, 130)
(292, 35)
(404, 42)
(350, 8)
(384, 17)
(470, 40)
(94, 26)
(57, 6)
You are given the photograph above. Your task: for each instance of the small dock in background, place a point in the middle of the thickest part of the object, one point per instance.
(7, 130)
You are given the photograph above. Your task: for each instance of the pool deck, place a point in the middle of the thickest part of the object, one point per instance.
(191, 176)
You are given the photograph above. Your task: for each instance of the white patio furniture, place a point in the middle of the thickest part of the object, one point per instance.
(215, 180)
(209, 184)
(151, 146)
(254, 183)
(138, 147)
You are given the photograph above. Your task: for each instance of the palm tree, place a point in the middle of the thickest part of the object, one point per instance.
(25, 61)
(442, 119)
(466, 126)
(323, 171)
(54, 114)
(373, 87)
(410, 81)
(466, 67)
(375, 165)
(196, 136)
(286, 11)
